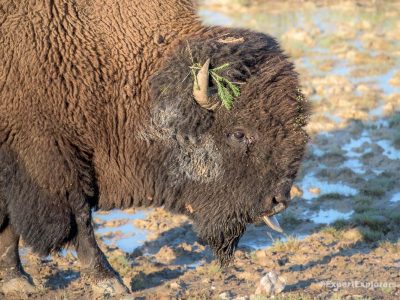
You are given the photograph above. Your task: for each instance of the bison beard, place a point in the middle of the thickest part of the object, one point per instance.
(106, 115)
(222, 237)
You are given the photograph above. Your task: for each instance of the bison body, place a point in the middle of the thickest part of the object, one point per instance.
(98, 111)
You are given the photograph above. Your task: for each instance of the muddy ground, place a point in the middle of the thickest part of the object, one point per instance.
(342, 231)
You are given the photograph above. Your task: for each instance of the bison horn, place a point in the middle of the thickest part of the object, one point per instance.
(273, 223)
(200, 87)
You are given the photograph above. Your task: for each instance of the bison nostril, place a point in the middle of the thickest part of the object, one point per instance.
(274, 201)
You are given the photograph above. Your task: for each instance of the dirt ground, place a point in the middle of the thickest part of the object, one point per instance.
(342, 230)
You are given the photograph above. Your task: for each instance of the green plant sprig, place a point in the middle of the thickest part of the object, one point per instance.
(227, 90)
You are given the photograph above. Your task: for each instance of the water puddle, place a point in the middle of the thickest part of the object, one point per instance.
(395, 198)
(127, 237)
(259, 237)
(329, 216)
(311, 183)
(256, 238)
(388, 150)
(355, 165)
(194, 265)
(353, 148)
(315, 150)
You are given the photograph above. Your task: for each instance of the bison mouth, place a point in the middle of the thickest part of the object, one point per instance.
(271, 221)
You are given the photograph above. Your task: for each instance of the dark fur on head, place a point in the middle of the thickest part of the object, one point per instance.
(231, 183)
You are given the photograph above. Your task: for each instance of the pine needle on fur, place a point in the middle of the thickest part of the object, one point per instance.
(227, 90)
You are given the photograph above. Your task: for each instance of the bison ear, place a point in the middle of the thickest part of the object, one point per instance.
(175, 112)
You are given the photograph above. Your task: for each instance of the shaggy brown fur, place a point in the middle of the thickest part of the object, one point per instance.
(96, 111)
(73, 98)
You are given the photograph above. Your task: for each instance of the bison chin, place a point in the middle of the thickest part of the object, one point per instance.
(222, 237)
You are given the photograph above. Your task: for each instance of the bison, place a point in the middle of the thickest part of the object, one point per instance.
(117, 104)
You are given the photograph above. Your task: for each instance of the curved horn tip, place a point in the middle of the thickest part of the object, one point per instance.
(200, 87)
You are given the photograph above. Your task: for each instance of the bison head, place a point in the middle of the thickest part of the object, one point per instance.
(229, 167)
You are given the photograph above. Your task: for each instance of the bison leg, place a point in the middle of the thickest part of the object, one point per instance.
(95, 266)
(14, 280)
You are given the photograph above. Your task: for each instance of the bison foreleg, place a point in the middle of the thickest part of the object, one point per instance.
(14, 279)
(95, 266)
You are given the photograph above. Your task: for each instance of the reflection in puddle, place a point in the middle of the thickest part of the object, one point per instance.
(257, 238)
(384, 84)
(196, 264)
(355, 165)
(389, 150)
(357, 143)
(316, 150)
(127, 237)
(395, 198)
(117, 214)
(311, 182)
(329, 216)
(382, 123)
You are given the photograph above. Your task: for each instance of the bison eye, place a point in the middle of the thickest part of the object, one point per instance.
(239, 135)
